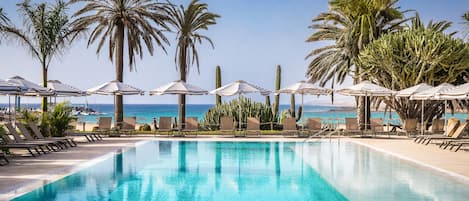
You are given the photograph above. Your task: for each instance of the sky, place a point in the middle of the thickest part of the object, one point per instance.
(251, 38)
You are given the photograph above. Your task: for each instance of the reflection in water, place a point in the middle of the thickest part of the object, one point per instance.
(195, 171)
(362, 174)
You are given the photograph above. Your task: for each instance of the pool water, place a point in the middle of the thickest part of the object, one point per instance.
(178, 170)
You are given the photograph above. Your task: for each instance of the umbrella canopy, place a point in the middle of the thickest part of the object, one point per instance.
(29, 88)
(303, 87)
(8, 88)
(366, 88)
(115, 88)
(458, 92)
(431, 93)
(239, 87)
(62, 89)
(413, 90)
(178, 87)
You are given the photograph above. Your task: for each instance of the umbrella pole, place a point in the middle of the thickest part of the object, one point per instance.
(239, 108)
(366, 113)
(446, 102)
(421, 121)
(9, 108)
(302, 114)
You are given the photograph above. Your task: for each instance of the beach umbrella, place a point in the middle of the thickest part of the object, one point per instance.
(458, 92)
(62, 89)
(303, 87)
(431, 94)
(238, 88)
(115, 88)
(408, 92)
(366, 88)
(7, 88)
(178, 87)
(29, 88)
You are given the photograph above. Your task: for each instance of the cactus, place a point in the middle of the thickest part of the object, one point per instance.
(267, 100)
(248, 107)
(278, 80)
(292, 109)
(218, 84)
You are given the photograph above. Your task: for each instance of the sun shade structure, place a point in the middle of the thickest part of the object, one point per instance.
(7, 88)
(366, 88)
(413, 90)
(431, 94)
(458, 92)
(29, 88)
(115, 88)
(238, 88)
(303, 87)
(62, 89)
(178, 87)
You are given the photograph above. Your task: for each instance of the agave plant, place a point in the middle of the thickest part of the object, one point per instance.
(244, 106)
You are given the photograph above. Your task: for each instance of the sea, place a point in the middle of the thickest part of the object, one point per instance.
(146, 112)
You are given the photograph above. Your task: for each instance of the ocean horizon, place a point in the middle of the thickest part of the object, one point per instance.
(146, 112)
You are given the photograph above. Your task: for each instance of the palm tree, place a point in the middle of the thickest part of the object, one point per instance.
(187, 23)
(123, 21)
(47, 33)
(4, 20)
(465, 17)
(348, 27)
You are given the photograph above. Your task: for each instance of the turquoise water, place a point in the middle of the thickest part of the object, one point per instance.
(205, 171)
(172, 170)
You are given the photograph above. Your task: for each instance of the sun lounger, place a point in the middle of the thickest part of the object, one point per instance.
(351, 126)
(410, 126)
(165, 125)
(377, 126)
(453, 124)
(438, 126)
(128, 126)
(192, 126)
(17, 138)
(7, 143)
(289, 126)
(59, 144)
(456, 135)
(4, 158)
(253, 126)
(227, 125)
(90, 136)
(38, 134)
(104, 125)
(456, 144)
(313, 127)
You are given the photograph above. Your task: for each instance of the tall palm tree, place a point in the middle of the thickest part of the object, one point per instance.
(46, 34)
(465, 17)
(348, 27)
(135, 22)
(187, 23)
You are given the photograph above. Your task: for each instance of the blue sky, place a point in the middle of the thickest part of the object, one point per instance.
(250, 39)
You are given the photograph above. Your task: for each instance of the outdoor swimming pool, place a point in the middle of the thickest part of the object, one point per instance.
(196, 170)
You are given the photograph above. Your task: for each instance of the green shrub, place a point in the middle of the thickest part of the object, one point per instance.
(248, 107)
(144, 127)
(59, 119)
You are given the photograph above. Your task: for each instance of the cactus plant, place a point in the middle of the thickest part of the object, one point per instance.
(278, 80)
(292, 105)
(217, 84)
(267, 101)
(248, 107)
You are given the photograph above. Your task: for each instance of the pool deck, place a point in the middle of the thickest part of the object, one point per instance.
(26, 173)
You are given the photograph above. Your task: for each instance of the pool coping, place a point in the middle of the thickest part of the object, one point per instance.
(52, 176)
(440, 171)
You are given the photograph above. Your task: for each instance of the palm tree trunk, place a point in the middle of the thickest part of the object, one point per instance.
(44, 83)
(182, 97)
(118, 99)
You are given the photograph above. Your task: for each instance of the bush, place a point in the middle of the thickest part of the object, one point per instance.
(59, 119)
(249, 108)
(144, 127)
